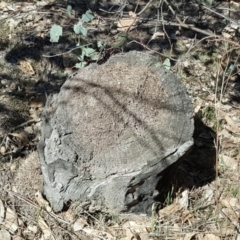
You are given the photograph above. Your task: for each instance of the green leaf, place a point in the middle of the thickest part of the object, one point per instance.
(80, 64)
(55, 33)
(96, 56)
(167, 64)
(59, 75)
(88, 16)
(99, 44)
(69, 9)
(84, 31)
(120, 41)
(81, 58)
(88, 52)
(78, 28)
(208, 3)
(230, 67)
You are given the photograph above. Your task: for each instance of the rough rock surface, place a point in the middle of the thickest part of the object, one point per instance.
(111, 131)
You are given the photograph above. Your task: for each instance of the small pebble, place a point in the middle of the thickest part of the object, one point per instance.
(4, 82)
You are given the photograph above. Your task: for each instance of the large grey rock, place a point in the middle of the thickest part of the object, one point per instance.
(111, 131)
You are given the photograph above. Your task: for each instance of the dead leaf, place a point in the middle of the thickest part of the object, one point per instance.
(3, 5)
(227, 231)
(69, 215)
(35, 114)
(26, 67)
(235, 3)
(30, 232)
(224, 61)
(224, 133)
(3, 150)
(36, 105)
(4, 234)
(132, 14)
(198, 107)
(17, 238)
(186, 218)
(170, 209)
(233, 126)
(13, 167)
(126, 24)
(226, 35)
(22, 136)
(41, 3)
(79, 224)
(37, 102)
(237, 237)
(229, 213)
(131, 230)
(180, 203)
(183, 201)
(157, 35)
(2, 212)
(230, 202)
(98, 234)
(208, 196)
(11, 221)
(42, 202)
(130, 235)
(47, 233)
(228, 162)
(188, 236)
(32, 228)
(12, 23)
(210, 236)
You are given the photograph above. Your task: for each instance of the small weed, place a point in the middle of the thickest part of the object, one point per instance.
(153, 217)
(204, 57)
(235, 191)
(223, 165)
(86, 51)
(209, 113)
(4, 39)
(210, 118)
(169, 198)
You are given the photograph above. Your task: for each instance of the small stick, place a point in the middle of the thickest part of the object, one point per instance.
(146, 47)
(60, 54)
(25, 123)
(145, 8)
(184, 25)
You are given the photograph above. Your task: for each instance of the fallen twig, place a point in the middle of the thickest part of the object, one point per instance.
(25, 123)
(184, 25)
(146, 47)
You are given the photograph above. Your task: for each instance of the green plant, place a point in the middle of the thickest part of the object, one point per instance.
(169, 198)
(210, 118)
(235, 191)
(167, 64)
(153, 217)
(55, 33)
(209, 113)
(223, 165)
(86, 52)
(4, 32)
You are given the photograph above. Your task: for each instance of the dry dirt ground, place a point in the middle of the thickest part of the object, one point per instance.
(197, 40)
